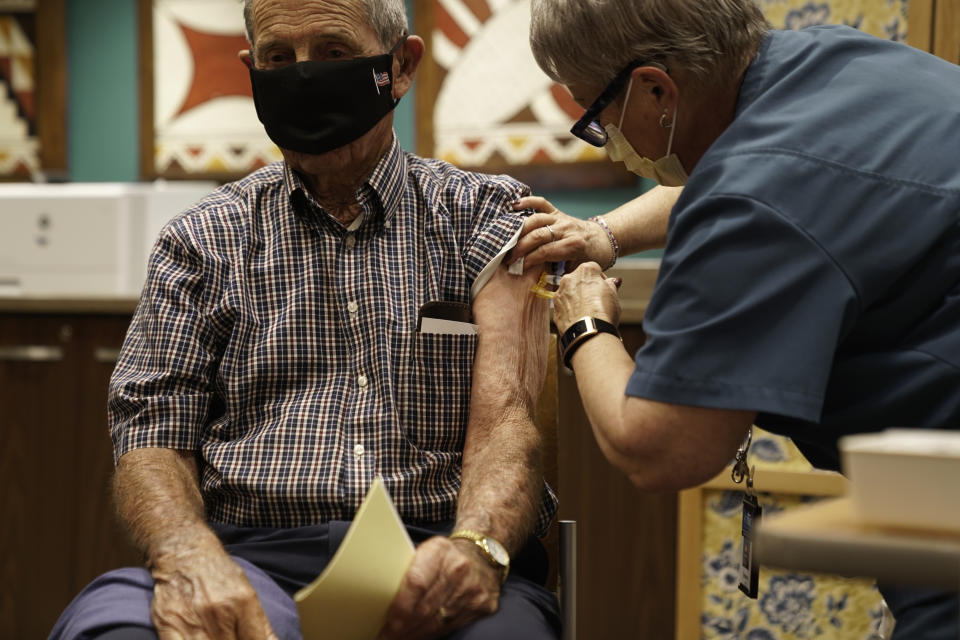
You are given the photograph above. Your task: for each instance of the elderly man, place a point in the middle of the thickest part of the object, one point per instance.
(276, 365)
(810, 280)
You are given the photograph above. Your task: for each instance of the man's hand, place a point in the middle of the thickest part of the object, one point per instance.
(448, 585)
(202, 593)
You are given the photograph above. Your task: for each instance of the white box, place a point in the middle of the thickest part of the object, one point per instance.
(84, 239)
(905, 478)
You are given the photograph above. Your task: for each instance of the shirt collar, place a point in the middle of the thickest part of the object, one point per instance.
(385, 182)
(754, 77)
(388, 177)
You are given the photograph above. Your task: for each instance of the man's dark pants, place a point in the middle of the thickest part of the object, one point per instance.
(278, 562)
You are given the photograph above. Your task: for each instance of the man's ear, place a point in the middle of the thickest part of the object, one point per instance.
(405, 62)
(657, 85)
(244, 55)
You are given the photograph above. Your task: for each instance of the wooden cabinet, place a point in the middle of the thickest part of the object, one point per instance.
(935, 27)
(55, 464)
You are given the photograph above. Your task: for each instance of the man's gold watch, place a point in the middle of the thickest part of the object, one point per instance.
(492, 550)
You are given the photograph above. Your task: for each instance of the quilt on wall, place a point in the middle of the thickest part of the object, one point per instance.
(495, 106)
(19, 146)
(882, 18)
(204, 118)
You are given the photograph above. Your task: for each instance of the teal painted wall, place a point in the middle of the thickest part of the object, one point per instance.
(103, 111)
(102, 114)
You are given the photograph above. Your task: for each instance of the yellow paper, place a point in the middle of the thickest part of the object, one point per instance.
(349, 600)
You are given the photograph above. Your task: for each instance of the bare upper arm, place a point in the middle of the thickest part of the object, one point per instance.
(512, 348)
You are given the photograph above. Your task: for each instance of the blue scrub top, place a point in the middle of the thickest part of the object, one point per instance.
(812, 265)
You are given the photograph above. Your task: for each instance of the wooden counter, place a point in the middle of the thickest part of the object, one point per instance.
(37, 304)
(829, 538)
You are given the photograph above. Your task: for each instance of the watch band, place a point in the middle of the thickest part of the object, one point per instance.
(581, 331)
(491, 549)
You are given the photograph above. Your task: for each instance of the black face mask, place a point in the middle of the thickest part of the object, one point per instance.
(315, 107)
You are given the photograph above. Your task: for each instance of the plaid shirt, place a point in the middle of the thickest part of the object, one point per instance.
(282, 347)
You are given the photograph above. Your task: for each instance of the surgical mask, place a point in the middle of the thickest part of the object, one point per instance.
(317, 106)
(667, 171)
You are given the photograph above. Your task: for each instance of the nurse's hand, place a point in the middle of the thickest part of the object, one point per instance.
(550, 235)
(586, 292)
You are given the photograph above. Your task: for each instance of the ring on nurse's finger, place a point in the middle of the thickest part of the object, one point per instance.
(552, 235)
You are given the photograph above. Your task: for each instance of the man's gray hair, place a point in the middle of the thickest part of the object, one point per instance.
(388, 18)
(586, 42)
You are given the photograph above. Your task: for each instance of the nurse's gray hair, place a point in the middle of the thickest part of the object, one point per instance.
(388, 18)
(586, 42)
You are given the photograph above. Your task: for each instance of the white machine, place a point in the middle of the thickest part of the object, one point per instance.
(84, 240)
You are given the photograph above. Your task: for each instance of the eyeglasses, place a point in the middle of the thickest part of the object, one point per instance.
(588, 127)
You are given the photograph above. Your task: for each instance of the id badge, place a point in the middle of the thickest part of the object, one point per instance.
(749, 570)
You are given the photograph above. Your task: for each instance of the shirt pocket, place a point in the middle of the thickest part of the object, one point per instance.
(434, 392)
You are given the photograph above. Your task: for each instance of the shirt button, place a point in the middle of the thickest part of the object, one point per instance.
(358, 450)
(386, 224)
(362, 380)
(351, 241)
(352, 306)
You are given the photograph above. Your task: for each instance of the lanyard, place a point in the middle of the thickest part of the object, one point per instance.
(752, 512)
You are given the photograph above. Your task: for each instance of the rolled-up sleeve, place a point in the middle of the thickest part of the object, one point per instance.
(495, 223)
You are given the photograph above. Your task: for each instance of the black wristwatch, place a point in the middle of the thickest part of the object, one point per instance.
(581, 331)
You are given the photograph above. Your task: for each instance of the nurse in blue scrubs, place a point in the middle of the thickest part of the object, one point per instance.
(810, 281)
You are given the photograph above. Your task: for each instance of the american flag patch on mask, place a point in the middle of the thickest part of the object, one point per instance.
(382, 79)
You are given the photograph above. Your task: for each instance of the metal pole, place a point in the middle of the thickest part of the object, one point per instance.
(568, 578)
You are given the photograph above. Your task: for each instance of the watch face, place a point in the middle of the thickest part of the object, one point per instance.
(575, 330)
(497, 551)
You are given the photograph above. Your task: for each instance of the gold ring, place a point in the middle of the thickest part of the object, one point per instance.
(553, 237)
(443, 615)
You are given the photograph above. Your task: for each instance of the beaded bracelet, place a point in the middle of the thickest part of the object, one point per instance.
(613, 240)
